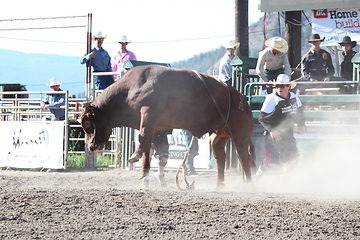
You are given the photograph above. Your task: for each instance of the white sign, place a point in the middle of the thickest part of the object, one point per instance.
(334, 24)
(177, 150)
(32, 144)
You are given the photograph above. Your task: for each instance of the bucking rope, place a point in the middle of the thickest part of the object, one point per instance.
(188, 186)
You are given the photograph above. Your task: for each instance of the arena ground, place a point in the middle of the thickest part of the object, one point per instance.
(109, 205)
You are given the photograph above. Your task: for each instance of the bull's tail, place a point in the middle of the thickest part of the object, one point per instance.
(252, 156)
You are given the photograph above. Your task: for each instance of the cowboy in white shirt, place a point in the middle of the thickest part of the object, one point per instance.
(273, 61)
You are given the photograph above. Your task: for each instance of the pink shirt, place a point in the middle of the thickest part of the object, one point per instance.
(119, 60)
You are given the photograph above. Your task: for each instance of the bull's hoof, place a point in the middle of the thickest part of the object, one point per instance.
(134, 158)
(144, 172)
(191, 186)
(220, 186)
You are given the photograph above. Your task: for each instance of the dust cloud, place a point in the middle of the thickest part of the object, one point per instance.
(331, 170)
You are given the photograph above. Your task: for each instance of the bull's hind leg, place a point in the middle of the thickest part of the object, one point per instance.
(218, 140)
(244, 146)
(135, 157)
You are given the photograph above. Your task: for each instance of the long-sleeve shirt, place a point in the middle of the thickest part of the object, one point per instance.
(282, 113)
(347, 65)
(101, 62)
(225, 69)
(55, 100)
(317, 66)
(270, 61)
(119, 60)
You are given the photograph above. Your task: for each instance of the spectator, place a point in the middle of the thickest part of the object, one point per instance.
(161, 147)
(189, 163)
(54, 101)
(317, 64)
(122, 56)
(273, 61)
(225, 69)
(279, 112)
(100, 61)
(346, 66)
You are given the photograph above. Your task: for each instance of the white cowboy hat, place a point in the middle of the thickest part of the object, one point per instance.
(53, 82)
(124, 39)
(283, 79)
(277, 43)
(232, 44)
(99, 35)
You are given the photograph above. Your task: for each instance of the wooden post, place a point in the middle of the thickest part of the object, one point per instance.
(293, 38)
(242, 30)
(241, 36)
(242, 27)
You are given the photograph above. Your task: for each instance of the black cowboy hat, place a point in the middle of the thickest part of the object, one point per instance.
(347, 40)
(315, 37)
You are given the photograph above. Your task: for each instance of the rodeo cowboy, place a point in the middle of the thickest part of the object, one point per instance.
(317, 64)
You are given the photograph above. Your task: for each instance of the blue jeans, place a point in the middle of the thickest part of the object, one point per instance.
(189, 163)
(229, 81)
(102, 82)
(272, 75)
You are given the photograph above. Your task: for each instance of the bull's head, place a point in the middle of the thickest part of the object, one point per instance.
(96, 128)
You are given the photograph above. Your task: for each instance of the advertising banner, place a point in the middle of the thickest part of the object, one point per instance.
(32, 144)
(334, 24)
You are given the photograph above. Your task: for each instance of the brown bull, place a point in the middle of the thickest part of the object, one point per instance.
(152, 98)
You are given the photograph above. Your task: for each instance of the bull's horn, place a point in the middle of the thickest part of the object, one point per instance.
(88, 108)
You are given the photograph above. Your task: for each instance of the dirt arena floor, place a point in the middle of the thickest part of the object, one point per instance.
(110, 205)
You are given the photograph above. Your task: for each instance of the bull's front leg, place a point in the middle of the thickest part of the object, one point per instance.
(145, 166)
(146, 136)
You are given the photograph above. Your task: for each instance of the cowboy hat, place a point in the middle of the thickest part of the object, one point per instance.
(99, 35)
(53, 82)
(232, 45)
(277, 43)
(315, 37)
(124, 39)
(347, 40)
(283, 79)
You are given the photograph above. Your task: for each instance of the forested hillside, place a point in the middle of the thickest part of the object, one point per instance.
(203, 62)
(209, 61)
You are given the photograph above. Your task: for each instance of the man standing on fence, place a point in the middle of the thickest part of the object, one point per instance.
(100, 61)
(317, 63)
(273, 61)
(54, 101)
(225, 69)
(122, 56)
